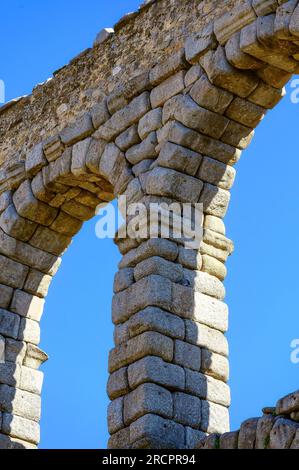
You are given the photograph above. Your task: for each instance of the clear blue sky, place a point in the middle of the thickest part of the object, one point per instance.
(262, 286)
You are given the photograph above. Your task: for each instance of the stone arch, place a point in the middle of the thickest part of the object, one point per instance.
(171, 133)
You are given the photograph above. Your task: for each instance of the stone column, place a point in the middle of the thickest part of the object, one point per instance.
(25, 275)
(169, 368)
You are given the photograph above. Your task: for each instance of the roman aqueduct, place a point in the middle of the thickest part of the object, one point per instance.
(159, 109)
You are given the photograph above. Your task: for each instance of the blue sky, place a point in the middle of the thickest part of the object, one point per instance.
(262, 286)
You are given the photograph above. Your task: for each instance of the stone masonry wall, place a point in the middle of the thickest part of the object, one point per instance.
(278, 428)
(170, 132)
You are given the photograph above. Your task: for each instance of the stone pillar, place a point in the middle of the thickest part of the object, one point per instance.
(25, 275)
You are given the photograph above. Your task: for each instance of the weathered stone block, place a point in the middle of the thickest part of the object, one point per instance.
(147, 398)
(214, 365)
(182, 108)
(40, 191)
(179, 134)
(125, 92)
(150, 291)
(118, 383)
(19, 402)
(171, 183)
(5, 200)
(149, 343)
(187, 355)
(77, 210)
(123, 279)
(206, 387)
(209, 338)
(295, 443)
(194, 438)
(153, 247)
(238, 135)
(267, 96)
(27, 305)
(264, 7)
(14, 351)
(145, 150)
(30, 208)
(274, 76)
(150, 122)
(238, 58)
(245, 112)
(159, 266)
(168, 67)
(263, 431)
(214, 223)
(115, 415)
(121, 334)
(212, 441)
(128, 138)
(215, 200)
(221, 73)
(26, 254)
(229, 440)
(50, 241)
(205, 283)
(124, 118)
(120, 440)
(35, 160)
(31, 380)
(154, 369)
(100, 113)
(294, 23)
(193, 74)
(179, 158)
(34, 356)
(199, 43)
(200, 307)
(209, 96)
(53, 148)
(9, 373)
(282, 434)
(79, 153)
(21, 428)
(66, 224)
(155, 319)
(78, 130)
(186, 409)
(249, 43)
(113, 166)
(170, 87)
(214, 418)
(5, 295)
(217, 173)
(29, 331)
(283, 19)
(247, 434)
(288, 404)
(169, 434)
(226, 25)
(16, 226)
(94, 153)
(190, 259)
(9, 324)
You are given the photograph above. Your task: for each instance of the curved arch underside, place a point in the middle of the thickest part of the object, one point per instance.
(173, 132)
